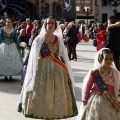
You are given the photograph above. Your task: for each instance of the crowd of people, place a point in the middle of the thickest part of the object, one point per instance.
(41, 53)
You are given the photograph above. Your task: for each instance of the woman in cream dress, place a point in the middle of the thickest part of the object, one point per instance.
(47, 91)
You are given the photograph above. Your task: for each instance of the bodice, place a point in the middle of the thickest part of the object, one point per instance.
(8, 35)
(108, 79)
(53, 47)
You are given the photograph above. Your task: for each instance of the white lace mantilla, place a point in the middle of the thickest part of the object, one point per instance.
(35, 54)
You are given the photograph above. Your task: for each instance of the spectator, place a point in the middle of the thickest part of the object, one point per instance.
(22, 33)
(47, 90)
(29, 27)
(100, 37)
(35, 31)
(10, 57)
(113, 39)
(71, 41)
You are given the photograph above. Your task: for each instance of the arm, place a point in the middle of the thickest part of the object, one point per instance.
(68, 32)
(110, 39)
(21, 33)
(88, 85)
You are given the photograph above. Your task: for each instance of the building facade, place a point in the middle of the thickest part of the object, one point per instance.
(108, 8)
(47, 8)
(87, 10)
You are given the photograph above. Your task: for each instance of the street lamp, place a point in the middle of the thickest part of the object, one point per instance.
(87, 12)
(115, 3)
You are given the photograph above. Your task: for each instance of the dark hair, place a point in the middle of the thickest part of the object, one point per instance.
(50, 18)
(101, 54)
(22, 25)
(101, 26)
(112, 19)
(8, 18)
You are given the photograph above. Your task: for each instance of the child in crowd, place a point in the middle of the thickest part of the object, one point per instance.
(47, 91)
(101, 89)
(100, 36)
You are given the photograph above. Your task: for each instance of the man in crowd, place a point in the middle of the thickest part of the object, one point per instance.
(29, 27)
(113, 39)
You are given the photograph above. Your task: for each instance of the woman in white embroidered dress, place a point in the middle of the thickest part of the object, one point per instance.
(47, 90)
(94, 105)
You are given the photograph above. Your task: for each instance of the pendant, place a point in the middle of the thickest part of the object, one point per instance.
(106, 73)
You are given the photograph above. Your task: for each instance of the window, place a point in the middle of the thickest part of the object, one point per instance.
(104, 2)
(86, 8)
(109, 2)
(104, 18)
(77, 8)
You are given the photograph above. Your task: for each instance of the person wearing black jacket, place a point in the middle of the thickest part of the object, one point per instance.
(71, 41)
(113, 39)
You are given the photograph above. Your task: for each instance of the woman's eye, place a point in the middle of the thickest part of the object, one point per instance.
(109, 59)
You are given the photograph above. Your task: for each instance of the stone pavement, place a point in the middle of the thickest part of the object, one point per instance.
(10, 90)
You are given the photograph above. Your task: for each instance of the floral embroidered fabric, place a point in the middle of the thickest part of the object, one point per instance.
(52, 95)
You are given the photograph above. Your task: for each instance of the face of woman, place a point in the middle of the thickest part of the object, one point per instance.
(50, 25)
(107, 60)
(8, 22)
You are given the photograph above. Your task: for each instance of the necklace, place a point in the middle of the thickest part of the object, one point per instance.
(49, 40)
(105, 72)
(9, 28)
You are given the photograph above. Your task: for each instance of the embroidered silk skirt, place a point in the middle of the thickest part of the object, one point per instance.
(10, 59)
(98, 108)
(52, 96)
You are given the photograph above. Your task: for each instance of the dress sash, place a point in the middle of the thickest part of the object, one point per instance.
(51, 57)
(102, 87)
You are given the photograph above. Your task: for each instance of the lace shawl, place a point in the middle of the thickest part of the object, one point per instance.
(35, 55)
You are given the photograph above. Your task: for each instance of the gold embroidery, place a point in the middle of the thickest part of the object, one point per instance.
(52, 98)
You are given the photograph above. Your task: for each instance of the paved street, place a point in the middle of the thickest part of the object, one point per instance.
(10, 90)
